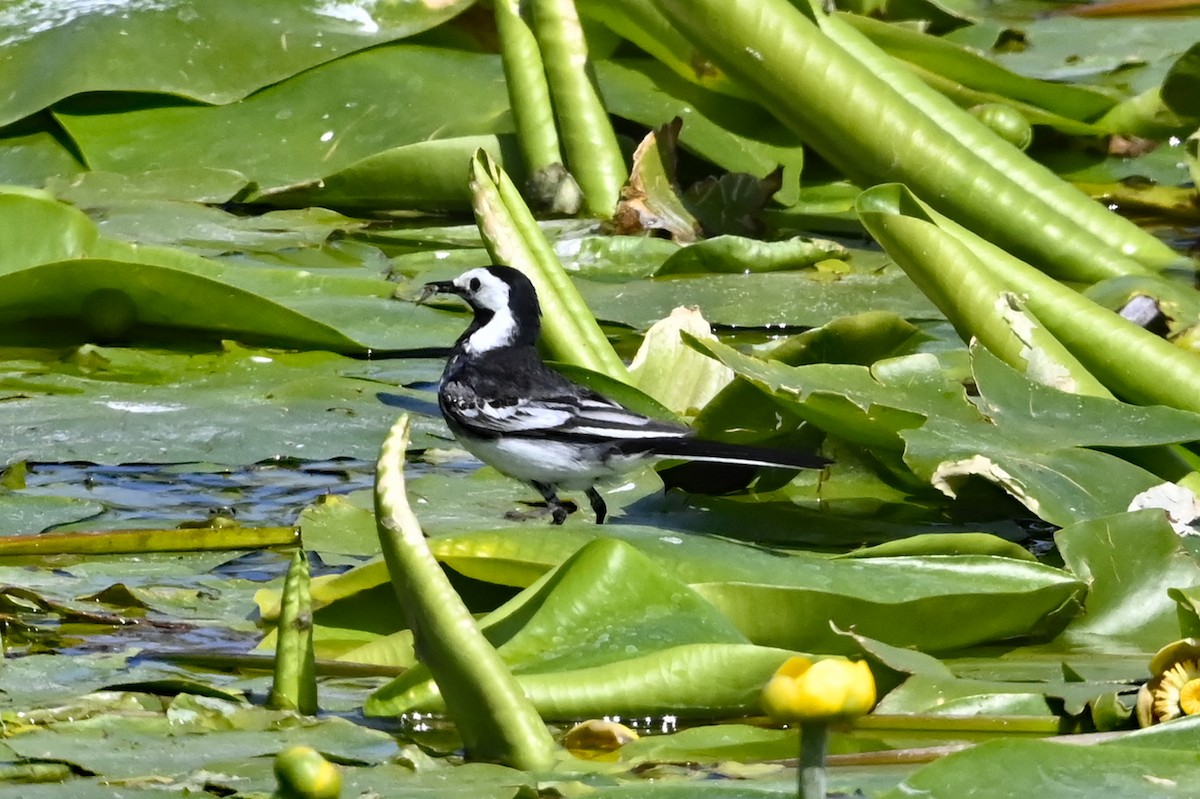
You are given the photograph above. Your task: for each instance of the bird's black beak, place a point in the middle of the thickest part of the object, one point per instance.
(439, 287)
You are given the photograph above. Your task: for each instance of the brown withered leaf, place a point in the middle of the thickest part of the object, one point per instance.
(651, 198)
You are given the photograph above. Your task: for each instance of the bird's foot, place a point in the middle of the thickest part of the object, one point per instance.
(558, 511)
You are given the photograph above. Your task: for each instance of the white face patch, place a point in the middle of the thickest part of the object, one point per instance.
(492, 294)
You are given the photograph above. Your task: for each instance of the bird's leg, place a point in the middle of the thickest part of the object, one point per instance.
(558, 509)
(598, 505)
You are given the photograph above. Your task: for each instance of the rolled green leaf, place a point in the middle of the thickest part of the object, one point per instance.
(954, 63)
(550, 184)
(295, 683)
(1006, 121)
(528, 91)
(1023, 174)
(569, 331)
(1130, 361)
(980, 305)
(644, 25)
(878, 123)
(975, 300)
(493, 716)
(593, 155)
(705, 681)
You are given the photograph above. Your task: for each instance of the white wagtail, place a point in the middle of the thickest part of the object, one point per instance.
(510, 410)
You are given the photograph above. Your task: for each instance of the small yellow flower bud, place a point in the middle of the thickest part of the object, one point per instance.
(596, 735)
(304, 774)
(825, 690)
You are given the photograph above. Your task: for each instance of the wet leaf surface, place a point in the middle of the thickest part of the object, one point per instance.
(216, 53)
(205, 322)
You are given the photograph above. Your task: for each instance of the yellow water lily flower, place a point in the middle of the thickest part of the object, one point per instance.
(1173, 689)
(804, 690)
(1178, 692)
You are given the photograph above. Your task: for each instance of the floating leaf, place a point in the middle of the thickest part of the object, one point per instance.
(428, 175)
(144, 406)
(313, 125)
(58, 266)
(778, 299)
(606, 632)
(1006, 768)
(23, 514)
(215, 52)
(1130, 562)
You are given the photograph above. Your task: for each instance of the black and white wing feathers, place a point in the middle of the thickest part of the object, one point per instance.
(526, 398)
(513, 394)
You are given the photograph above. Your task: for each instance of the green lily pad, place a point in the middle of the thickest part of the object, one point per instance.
(232, 406)
(607, 632)
(1014, 434)
(24, 514)
(119, 747)
(1130, 561)
(32, 152)
(779, 299)
(198, 184)
(58, 266)
(933, 688)
(214, 52)
(1046, 768)
(1132, 54)
(312, 125)
(428, 175)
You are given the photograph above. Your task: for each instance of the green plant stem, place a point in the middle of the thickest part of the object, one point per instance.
(814, 746)
(117, 542)
(483, 699)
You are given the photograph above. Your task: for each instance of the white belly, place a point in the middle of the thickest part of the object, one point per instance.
(563, 465)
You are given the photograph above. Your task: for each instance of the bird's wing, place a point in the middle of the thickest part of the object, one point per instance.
(603, 418)
(580, 415)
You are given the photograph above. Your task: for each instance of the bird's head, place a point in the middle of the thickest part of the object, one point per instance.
(505, 305)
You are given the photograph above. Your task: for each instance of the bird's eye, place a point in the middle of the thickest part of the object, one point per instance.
(474, 284)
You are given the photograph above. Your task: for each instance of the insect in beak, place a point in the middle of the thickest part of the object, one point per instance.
(440, 287)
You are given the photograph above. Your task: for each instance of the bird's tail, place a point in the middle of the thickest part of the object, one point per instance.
(695, 449)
